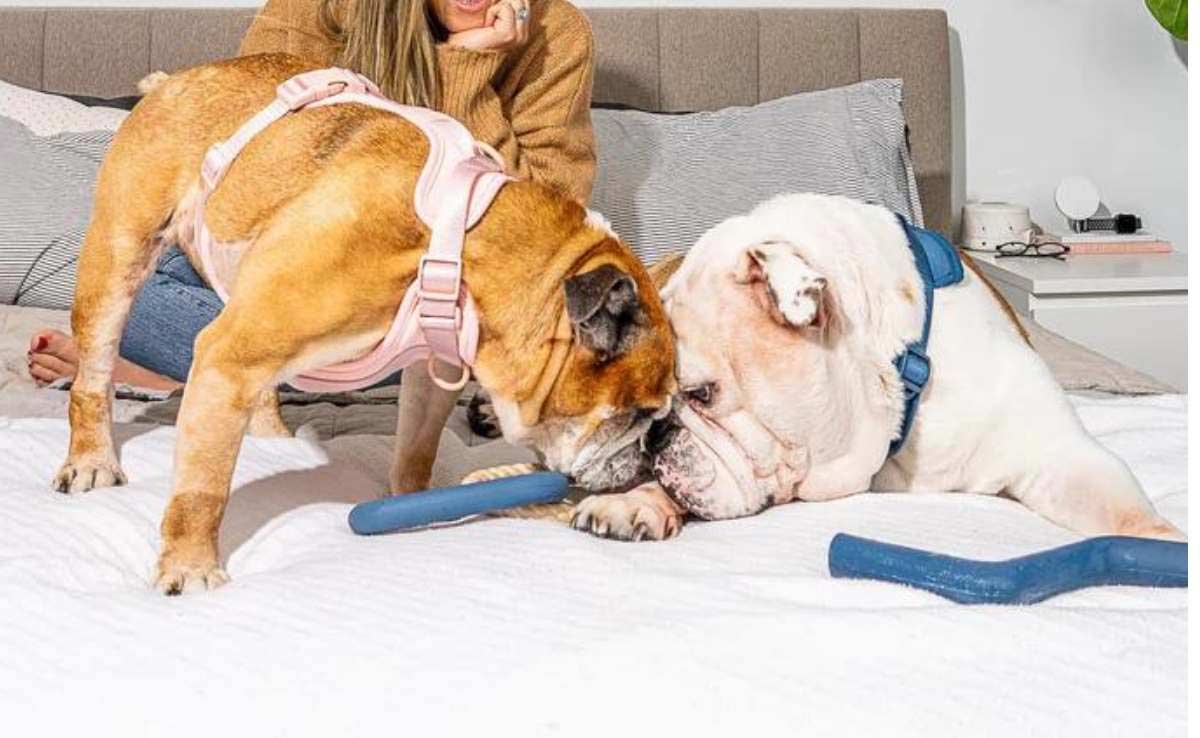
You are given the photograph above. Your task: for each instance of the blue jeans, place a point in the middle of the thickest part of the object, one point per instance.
(171, 309)
(173, 306)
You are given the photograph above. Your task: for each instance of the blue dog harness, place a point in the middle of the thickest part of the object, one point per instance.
(939, 265)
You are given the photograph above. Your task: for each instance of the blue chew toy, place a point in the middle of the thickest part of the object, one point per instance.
(1140, 562)
(451, 503)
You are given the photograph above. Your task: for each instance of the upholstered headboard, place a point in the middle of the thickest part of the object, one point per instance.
(671, 60)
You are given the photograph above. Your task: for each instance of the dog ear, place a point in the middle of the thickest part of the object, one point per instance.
(604, 309)
(793, 293)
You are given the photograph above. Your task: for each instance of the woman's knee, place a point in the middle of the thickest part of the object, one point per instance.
(167, 314)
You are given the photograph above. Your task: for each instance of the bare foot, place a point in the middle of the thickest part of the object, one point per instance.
(52, 356)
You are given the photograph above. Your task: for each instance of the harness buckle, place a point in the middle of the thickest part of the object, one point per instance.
(915, 369)
(432, 321)
(439, 279)
(306, 89)
(439, 284)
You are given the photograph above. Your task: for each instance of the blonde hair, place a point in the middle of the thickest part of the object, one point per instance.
(390, 41)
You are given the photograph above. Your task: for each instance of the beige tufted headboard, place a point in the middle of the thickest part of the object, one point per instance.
(671, 60)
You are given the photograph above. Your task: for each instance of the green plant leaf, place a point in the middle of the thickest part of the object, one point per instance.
(1171, 15)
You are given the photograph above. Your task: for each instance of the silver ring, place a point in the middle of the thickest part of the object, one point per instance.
(522, 15)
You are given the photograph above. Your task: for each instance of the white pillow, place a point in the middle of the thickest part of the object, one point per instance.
(47, 115)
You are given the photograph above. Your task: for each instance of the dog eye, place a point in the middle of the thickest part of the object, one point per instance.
(701, 394)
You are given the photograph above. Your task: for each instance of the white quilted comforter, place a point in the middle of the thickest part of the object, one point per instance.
(506, 627)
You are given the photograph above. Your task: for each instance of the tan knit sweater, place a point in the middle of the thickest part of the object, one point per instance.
(531, 103)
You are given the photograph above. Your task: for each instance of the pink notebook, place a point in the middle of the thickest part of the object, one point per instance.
(1121, 247)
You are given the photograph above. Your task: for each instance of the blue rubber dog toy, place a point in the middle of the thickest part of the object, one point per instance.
(1139, 562)
(444, 504)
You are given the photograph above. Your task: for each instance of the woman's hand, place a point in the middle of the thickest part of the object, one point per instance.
(505, 26)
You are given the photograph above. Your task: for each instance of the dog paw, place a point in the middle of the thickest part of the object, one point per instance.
(178, 577)
(481, 416)
(643, 513)
(77, 476)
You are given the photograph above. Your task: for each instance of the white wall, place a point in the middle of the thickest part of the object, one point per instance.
(1042, 89)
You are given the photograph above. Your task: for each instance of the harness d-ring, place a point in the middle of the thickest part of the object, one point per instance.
(448, 386)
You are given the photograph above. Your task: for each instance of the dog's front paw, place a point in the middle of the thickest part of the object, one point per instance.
(177, 575)
(81, 475)
(642, 513)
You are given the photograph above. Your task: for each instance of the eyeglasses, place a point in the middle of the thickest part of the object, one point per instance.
(1045, 249)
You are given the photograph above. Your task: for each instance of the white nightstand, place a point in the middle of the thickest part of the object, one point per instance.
(1129, 307)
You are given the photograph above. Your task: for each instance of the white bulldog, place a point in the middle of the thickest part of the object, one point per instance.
(787, 323)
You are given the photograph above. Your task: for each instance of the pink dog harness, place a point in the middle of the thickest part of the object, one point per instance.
(461, 177)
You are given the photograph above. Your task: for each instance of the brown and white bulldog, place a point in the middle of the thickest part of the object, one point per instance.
(317, 215)
(787, 321)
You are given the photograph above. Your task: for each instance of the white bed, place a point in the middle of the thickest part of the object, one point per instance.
(514, 627)
(508, 627)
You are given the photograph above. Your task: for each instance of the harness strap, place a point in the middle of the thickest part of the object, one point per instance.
(939, 265)
(439, 274)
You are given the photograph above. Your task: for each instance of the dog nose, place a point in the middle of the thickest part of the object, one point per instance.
(660, 434)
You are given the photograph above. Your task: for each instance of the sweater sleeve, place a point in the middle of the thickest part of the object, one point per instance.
(545, 135)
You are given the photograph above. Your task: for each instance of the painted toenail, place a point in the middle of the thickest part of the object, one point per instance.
(41, 343)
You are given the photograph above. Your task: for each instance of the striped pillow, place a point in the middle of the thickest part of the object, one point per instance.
(663, 180)
(45, 201)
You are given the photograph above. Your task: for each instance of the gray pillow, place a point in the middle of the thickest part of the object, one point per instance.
(46, 188)
(663, 180)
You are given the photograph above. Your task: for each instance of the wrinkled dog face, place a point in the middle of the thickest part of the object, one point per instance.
(753, 323)
(618, 379)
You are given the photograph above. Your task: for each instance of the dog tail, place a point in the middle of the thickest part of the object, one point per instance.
(151, 81)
